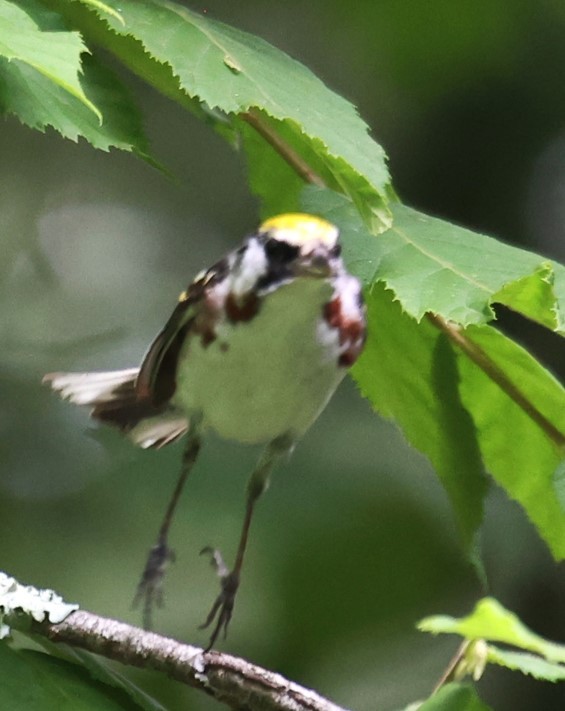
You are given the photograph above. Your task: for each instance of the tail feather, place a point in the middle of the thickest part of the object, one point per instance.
(94, 388)
(115, 401)
(157, 432)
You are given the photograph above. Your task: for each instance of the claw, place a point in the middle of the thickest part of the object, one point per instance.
(216, 561)
(222, 608)
(150, 588)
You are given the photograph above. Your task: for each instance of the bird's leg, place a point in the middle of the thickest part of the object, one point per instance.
(150, 589)
(223, 605)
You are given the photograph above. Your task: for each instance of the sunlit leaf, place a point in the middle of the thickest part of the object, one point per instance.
(529, 664)
(492, 622)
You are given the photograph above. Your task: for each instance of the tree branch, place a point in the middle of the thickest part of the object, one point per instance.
(230, 680)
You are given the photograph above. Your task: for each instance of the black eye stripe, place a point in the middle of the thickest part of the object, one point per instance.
(279, 251)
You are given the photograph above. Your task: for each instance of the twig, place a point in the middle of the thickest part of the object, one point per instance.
(230, 680)
(497, 375)
(449, 673)
(470, 659)
(295, 161)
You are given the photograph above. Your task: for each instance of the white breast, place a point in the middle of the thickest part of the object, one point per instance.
(266, 377)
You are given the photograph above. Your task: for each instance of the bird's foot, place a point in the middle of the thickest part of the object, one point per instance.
(222, 608)
(150, 589)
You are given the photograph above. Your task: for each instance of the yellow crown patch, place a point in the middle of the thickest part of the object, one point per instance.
(299, 228)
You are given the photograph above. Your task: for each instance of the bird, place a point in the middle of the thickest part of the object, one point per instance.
(254, 349)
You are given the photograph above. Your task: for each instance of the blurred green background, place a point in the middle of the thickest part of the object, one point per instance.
(355, 541)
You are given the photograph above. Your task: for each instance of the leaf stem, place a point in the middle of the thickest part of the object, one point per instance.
(295, 161)
(475, 353)
(450, 672)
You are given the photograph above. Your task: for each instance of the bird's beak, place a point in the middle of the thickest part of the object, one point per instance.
(316, 263)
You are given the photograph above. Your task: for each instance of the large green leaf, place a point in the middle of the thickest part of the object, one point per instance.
(436, 267)
(32, 681)
(408, 372)
(521, 449)
(39, 103)
(235, 72)
(38, 39)
(43, 82)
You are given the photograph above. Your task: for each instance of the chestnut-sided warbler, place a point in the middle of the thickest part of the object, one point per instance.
(254, 349)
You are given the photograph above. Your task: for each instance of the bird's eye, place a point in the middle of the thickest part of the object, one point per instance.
(279, 251)
(336, 250)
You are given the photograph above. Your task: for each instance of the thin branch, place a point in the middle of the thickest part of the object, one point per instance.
(295, 161)
(470, 659)
(230, 680)
(449, 673)
(497, 375)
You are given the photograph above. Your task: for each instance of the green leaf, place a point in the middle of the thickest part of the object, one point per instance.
(534, 296)
(39, 103)
(521, 447)
(491, 621)
(436, 267)
(36, 39)
(32, 681)
(270, 177)
(408, 372)
(40, 100)
(402, 359)
(103, 7)
(235, 72)
(100, 670)
(527, 664)
(452, 697)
